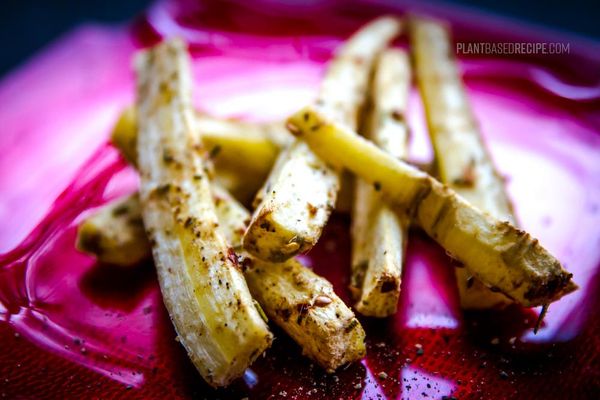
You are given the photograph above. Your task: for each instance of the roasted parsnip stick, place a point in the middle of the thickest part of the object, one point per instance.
(501, 256)
(279, 228)
(463, 161)
(306, 307)
(230, 141)
(203, 288)
(378, 232)
(243, 153)
(115, 233)
(295, 203)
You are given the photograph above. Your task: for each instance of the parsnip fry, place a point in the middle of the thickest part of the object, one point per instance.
(463, 161)
(115, 233)
(497, 253)
(378, 232)
(202, 286)
(295, 203)
(243, 153)
(306, 307)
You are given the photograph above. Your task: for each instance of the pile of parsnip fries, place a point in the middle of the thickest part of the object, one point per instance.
(223, 270)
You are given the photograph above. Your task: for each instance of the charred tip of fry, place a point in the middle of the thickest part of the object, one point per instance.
(571, 286)
(556, 287)
(389, 285)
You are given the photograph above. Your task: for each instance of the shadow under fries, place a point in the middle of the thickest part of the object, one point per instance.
(110, 286)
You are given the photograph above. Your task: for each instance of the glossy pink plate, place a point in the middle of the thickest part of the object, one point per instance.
(71, 328)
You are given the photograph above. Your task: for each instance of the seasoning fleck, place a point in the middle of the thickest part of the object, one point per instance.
(294, 130)
(322, 301)
(215, 151)
(352, 325)
(419, 348)
(397, 115)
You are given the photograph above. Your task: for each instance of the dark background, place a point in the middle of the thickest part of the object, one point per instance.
(28, 25)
